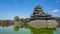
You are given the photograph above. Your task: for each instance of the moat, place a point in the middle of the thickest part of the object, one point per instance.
(26, 29)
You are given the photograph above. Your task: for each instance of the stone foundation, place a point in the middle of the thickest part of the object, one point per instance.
(43, 23)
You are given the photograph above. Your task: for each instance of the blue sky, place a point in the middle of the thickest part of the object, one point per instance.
(24, 8)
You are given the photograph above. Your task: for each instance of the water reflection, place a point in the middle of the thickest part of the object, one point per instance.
(26, 29)
(35, 30)
(16, 28)
(57, 31)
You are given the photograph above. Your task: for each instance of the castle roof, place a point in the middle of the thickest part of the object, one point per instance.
(38, 7)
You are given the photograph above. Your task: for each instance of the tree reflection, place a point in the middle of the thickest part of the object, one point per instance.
(35, 30)
(4, 26)
(42, 31)
(16, 28)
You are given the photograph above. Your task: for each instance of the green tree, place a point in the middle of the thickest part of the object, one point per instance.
(16, 18)
(22, 19)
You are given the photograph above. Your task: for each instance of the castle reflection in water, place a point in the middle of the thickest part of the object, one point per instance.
(32, 30)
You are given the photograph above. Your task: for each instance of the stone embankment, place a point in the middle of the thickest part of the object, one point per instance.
(18, 23)
(43, 23)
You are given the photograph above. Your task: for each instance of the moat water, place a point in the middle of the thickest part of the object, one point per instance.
(25, 29)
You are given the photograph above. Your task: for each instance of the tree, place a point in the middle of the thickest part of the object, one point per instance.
(22, 19)
(16, 18)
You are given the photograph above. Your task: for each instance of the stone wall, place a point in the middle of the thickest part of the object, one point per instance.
(43, 23)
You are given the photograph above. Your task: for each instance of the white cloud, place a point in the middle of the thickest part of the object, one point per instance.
(56, 10)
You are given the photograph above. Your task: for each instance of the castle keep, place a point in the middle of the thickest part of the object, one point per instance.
(38, 14)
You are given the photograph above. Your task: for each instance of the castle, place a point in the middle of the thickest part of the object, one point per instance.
(40, 19)
(38, 14)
